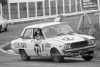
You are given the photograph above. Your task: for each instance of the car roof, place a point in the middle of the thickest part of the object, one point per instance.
(41, 25)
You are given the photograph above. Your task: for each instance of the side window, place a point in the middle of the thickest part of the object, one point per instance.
(38, 33)
(28, 34)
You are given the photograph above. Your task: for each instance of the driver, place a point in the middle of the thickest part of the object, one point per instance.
(38, 35)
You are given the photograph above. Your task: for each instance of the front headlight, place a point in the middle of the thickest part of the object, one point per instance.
(67, 46)
(91, 42)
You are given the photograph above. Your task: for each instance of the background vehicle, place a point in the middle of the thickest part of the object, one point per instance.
(3, 24)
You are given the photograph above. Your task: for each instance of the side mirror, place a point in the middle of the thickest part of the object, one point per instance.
(21, 37)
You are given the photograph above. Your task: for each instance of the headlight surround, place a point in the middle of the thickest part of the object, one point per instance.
(67, 46)
(91, 42)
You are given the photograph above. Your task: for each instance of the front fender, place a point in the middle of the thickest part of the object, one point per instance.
(58, 46)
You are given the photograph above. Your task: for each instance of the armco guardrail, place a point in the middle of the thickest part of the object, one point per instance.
(53, 16)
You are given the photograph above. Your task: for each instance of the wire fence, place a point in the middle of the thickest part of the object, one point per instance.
(40, 9)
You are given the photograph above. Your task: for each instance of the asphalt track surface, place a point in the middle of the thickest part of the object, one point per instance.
(7, 60)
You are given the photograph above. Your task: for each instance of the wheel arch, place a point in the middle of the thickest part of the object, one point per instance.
(24, 55)
(20, 50)
(60, 57)
(54, 48)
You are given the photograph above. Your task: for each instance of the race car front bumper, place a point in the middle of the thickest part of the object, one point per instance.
(78, 51)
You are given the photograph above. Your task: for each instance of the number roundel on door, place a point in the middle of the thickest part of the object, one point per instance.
(37, 49)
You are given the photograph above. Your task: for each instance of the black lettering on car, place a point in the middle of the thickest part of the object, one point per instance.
(37, 49)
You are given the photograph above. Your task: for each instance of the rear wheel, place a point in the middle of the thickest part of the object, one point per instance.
(0, 31)
(6, 28)
(56, 56)
(24, 56)
(87, 56)
(0, 28)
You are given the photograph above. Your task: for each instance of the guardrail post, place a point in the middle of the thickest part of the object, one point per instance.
(99, 12)
(56, 7)
(76, 5)
(36, 8)
(18, 10)
(70, 6)
(27, 6)
(9, 10)
(49, 7)
(63, 6)
(43, 8)
(1, 9)
(81, 5)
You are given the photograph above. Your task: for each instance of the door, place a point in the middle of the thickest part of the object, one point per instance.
(27, 38)
(40, 43)
(38, 38)
(45, 47)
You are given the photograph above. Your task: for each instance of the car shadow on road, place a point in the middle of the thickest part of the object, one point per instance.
(49, 60)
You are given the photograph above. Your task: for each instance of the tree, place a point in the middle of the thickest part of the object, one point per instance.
(3, 2)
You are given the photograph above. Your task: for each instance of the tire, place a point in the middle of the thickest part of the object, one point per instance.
(24, 56)
(56, 56)
(6, 28)
(87, 56)
(0, 31)
(0, 28)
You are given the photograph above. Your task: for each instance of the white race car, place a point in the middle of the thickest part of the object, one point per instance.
(3, 24)
(54, 39)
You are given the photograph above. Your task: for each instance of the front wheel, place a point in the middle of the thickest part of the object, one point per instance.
(56, 56)
(88, 55)
(24, 56)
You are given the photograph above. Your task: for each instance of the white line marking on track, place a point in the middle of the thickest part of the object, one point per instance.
(7, 51)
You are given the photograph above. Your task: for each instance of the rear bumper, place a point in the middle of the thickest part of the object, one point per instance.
(78, 51)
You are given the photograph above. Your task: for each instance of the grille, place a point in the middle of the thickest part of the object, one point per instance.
(79, 44)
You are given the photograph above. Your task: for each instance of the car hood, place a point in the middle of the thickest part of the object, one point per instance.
(72, 38)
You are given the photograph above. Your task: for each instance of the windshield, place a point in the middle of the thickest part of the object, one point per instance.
(57, 30)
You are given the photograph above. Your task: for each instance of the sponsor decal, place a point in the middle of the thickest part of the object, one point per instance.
(47, 45)
(20, 45)
(42, 47)
(37, 49)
